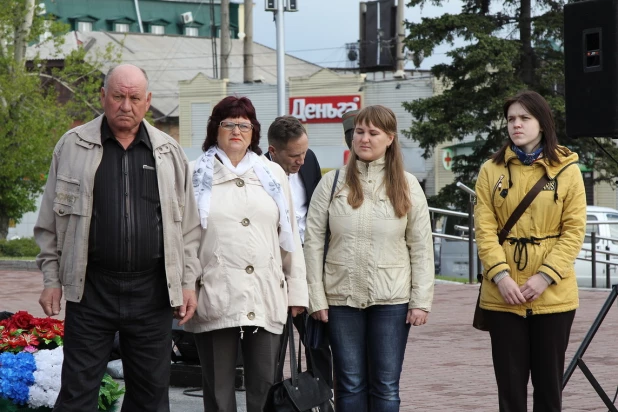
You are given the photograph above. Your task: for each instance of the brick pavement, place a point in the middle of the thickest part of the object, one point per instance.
(448, 363)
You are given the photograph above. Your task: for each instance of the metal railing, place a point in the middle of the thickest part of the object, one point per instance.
(608, 261)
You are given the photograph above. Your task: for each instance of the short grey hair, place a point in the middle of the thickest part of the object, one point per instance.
(109, 75)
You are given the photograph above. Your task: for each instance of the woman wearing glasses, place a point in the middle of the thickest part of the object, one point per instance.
(252, 259)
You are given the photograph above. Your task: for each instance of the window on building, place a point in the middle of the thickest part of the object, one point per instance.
(191, 31)
(84, 26)
(157, 29)
(121, 27)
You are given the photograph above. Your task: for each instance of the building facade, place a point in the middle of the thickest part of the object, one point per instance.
(195, 18)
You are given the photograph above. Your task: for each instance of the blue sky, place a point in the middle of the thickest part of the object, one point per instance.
(320, 29)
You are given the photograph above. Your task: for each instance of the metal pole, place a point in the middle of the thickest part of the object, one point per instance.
(593, 242)
(248, 43)
(225, 39)
(400, 38)
(280, 59)
(471, 271)
(139, 16)
(607, 270)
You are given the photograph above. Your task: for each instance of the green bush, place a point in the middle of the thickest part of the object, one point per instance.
(25, 247)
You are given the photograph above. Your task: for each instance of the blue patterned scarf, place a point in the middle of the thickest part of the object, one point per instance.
(527, 158)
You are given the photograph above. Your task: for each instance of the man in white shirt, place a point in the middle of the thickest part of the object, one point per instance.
(289, 147)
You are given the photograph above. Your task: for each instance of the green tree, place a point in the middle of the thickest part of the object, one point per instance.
(503, 52)
(31, 117)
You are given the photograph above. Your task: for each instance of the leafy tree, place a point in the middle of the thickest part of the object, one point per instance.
(503, 52)
(32, 117)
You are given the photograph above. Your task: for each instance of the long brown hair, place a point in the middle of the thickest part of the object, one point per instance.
(538, 107)
(395, 181)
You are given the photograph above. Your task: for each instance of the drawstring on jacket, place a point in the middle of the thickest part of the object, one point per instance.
(521, 248)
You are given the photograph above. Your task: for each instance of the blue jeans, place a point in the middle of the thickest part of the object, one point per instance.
(368, 346)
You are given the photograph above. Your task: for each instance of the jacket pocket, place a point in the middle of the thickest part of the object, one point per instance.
(336, 279)
(276, 288)
(391, 282)
(66, 204)
(150, 188)
(340, 206)
(214, 292)
(383, 208)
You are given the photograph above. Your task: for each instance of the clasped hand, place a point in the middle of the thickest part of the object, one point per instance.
(528, 292)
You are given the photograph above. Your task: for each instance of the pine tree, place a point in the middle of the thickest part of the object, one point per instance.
(504, 51)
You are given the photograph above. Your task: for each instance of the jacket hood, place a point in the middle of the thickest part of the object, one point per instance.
(552, 170)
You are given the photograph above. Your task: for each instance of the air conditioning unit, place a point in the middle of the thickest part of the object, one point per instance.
(186, 17)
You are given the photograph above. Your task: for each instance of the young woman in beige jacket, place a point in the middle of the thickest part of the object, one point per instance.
(378, 274)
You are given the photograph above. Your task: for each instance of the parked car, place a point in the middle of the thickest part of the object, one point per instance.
(583, 269)
(452, 255)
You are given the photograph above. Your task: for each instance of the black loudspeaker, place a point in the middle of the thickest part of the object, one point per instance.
(591, 69)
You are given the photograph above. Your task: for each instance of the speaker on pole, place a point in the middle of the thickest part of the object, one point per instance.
(591, 69)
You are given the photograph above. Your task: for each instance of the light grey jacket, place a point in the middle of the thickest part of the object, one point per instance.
(247, 279)
(374, 257)
(63, 225)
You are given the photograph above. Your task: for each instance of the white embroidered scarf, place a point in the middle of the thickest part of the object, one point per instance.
(202, 186)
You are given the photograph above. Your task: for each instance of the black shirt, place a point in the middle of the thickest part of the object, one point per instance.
(126, 230)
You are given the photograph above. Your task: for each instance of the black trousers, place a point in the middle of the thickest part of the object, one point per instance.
(218, 351)
(137, 306)
(532, 346)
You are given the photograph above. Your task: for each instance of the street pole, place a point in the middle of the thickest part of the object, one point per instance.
(280, 59)
(225, 38)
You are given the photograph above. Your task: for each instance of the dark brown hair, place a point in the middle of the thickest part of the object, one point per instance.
(284, 129)
(538, 107)
(232, 106)
(395, 181)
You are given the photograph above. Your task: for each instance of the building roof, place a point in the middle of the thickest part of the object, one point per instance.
(170, 59)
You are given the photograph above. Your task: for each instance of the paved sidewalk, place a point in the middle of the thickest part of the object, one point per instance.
(448, 363)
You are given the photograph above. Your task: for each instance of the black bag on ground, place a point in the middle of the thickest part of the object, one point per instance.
(304, 391)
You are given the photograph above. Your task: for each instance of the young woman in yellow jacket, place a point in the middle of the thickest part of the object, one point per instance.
(529, 292)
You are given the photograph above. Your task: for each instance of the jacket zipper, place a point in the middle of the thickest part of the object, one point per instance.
(497, 187)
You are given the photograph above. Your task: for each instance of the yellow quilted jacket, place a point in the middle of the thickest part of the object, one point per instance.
(553, 227)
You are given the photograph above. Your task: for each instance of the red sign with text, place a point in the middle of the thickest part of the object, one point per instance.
(323, 109)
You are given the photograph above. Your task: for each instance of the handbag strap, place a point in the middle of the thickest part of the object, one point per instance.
(521, 208)
(327, 235)
(288, 339)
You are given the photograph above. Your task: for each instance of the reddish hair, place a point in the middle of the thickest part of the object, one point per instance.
(232, 106)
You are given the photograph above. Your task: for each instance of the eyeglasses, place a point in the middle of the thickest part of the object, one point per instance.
(243, 127)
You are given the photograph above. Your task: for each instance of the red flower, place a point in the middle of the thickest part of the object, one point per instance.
(20, 320)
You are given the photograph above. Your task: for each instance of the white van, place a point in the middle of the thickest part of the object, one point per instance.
(583, 269)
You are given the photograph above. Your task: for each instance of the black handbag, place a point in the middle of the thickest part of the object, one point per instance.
(304, 391)
(479, 321)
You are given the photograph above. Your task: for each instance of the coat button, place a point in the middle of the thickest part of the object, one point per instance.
(169, 285)
(251, 315)
(245, 222)
(240, 182)
(61, 212)
(362, 305)
(249, 269)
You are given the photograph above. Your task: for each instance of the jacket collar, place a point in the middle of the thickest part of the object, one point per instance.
(551, 170)
(91, 132)
(371, 168)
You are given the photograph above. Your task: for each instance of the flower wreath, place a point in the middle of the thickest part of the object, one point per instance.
(31, 363)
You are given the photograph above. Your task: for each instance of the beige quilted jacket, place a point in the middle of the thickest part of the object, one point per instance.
(374, 257)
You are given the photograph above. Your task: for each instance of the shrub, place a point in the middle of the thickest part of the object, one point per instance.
(25, 247)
